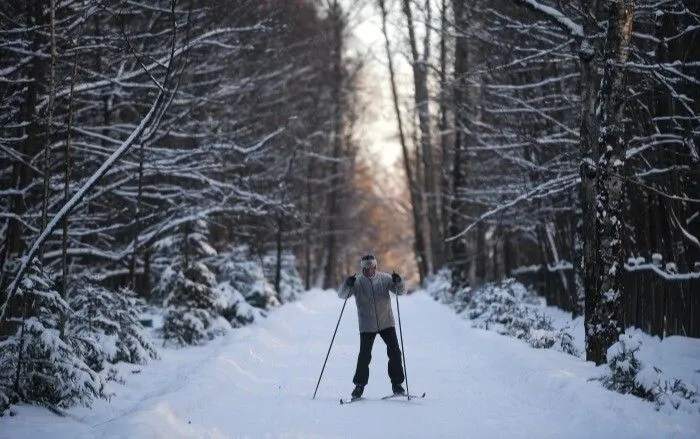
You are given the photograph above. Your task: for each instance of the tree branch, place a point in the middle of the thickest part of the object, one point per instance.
(553, 15)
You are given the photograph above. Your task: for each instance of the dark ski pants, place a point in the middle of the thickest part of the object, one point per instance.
(392, 350)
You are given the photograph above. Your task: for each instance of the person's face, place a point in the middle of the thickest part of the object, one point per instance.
(369, 271)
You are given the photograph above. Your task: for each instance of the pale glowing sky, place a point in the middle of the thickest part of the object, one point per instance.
(378, 128)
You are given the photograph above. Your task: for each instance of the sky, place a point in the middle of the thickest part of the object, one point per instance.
(378, 126)
(259, 382)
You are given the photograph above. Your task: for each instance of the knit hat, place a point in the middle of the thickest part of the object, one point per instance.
(368, 261)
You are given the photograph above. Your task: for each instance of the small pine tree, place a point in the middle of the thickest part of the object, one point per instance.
(107, 325)
(291, 286)
(628, 375)
(176, 253)
(231, 304)
(248, 277)
(191, 316)
(39, 363)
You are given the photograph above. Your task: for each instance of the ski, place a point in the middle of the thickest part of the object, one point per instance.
(384, 398)
(348, 401)
(403, 395)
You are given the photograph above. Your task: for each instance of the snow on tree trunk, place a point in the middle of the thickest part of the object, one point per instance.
(606, 321)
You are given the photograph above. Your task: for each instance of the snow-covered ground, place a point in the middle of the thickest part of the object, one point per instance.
(258, 382)
(674, 357)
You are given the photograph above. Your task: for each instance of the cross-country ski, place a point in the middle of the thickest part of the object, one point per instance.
(403, 395)
(383, 398)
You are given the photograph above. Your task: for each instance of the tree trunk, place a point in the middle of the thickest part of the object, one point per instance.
(607, 320)
(22, 173)
(481, 256)
(49, 115)
(278, 251)
(137, 222)
(331, 249)
(588, 150)
(444, 182)
(67, 179)
(576, 291)
(422, 102)
(458, 248)
(416, 201)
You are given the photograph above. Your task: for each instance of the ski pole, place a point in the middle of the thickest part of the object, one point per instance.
(329, 347)
(403, 351)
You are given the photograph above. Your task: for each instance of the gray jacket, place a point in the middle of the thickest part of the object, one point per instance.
(373, 300)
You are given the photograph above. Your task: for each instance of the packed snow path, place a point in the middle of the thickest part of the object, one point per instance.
(258, 382)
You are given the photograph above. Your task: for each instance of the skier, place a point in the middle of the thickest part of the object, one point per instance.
(374, 315)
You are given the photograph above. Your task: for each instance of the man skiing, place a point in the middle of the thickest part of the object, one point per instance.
(374, 315)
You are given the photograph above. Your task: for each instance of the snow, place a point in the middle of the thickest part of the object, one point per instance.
(665, 274)
(560, 265)
(557, 16)
(258, 382)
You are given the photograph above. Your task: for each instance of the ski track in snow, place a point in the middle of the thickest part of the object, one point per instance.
(258, 382)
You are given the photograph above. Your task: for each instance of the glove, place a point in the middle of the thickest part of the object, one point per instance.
(350, 281)
(395, 277)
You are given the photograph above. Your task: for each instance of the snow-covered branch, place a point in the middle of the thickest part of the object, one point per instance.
(546, 189)
(553, 15)
(76, 198)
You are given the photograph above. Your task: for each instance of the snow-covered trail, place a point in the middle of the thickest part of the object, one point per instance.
(258, 382)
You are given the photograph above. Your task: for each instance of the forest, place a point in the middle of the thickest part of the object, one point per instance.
(205, 158)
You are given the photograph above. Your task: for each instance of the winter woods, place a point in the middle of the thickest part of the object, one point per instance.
(564, 136)
(167, 154)
(203, 158)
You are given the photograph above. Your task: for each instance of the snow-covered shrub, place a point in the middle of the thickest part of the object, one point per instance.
(177, 252)
(627, 374)
(462, 298)
(38, 363)
(231, 304)
(500, 303)
(506, 307)
(4, 400)
(511, 309)
(439, 286)
(167, 281)
(291, 285)
(248, 277)
(675, 393)
(191, 313)
(107, 325)
(624, 367)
